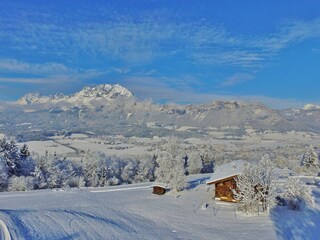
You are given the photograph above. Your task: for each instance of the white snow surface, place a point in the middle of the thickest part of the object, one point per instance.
(132, 212)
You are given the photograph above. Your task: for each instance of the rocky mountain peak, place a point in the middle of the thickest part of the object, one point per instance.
(102, 92)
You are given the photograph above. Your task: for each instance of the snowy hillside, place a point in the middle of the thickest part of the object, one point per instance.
(132, 212)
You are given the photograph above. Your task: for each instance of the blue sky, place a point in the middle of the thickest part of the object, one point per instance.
(171, 51)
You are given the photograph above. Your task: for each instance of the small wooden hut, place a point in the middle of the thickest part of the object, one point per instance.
(223, 179)
(159, 189)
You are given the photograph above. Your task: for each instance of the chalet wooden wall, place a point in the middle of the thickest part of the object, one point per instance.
(224, 189)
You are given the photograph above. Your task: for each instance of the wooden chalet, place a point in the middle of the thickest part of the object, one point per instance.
(223, 179)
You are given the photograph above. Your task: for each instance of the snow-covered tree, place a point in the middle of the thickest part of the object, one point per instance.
(310, 158)
(3, 174)
(246, 184)
(297, 196)
(266, 187)
(256, 185)
(40, 172)
(61, 172)
(39, 178)
(146, 169)
(171, 165)
(129, 171)
(91, 165)
(24, 152)
(208, 158)
(195, 163)
(10, 153)
(26, 161)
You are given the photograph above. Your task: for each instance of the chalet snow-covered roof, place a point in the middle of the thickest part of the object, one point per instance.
(226, 170)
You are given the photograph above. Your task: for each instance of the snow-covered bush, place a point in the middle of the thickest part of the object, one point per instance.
(113, 181)
(21, 183)
(296, 195)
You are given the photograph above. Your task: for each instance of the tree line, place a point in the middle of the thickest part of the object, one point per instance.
(20, 170)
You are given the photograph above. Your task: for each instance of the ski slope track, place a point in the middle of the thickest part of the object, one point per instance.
(4, 232)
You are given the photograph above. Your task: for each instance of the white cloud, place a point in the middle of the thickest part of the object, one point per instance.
(45, 73)
(13, 65)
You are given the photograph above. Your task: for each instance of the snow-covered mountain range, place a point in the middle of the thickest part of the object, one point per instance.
(112, 109)
(101, 92)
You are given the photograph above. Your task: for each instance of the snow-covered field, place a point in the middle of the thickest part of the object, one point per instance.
(292, 143)
(132, 212)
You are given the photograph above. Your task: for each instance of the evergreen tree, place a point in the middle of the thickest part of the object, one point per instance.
(40, 179)
(24, 152)
(310, 158)
(9, 152)
(3, 174)
(27, 164)
(40, 172)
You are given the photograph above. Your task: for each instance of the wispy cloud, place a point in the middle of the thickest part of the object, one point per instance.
(236, 79)
(161, 91)
(120, 43)
(13, 65)
(289, 33)
(45, 73)
(140, 42)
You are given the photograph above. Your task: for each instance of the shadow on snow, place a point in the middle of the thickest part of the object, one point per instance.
(18, 227)
(194, 183)
(292, 225)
